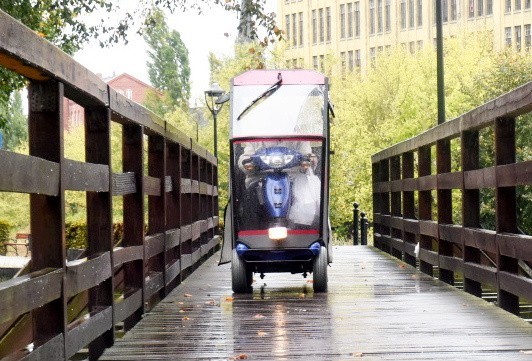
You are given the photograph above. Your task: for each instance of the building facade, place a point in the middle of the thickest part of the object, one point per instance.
(355, 32)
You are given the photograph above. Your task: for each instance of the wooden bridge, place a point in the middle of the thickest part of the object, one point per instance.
(157, 294)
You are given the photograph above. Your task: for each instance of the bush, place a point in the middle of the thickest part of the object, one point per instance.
(4, 235)
(76, 234)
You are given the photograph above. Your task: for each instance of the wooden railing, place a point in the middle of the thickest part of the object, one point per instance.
(170, 214)
(413, 200)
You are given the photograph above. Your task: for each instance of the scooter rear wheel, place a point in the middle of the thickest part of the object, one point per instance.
(319, 273)
(241, 277)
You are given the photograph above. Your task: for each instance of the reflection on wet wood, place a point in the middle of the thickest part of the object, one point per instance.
(377, 308)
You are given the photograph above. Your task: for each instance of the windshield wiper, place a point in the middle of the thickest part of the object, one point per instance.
(264, 95)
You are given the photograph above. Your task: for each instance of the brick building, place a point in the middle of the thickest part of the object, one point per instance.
(125, 84)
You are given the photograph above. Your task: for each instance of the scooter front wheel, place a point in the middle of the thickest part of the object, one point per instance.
(241, 277)
(319, 273)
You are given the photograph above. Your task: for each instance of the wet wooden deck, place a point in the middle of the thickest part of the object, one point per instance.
(377, 308)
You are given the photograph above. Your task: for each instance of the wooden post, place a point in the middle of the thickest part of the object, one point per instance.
(471, 205)
(408, 203)
(173, 222)
(506, 209)
(425, 205)
(133, 213)
(445, 205)
(99, 217)
(395, 174)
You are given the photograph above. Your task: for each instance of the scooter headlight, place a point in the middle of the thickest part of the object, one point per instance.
(277, 233)
(277, 161)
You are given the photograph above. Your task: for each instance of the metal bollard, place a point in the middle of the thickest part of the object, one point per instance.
(355, 223)
(363, 229)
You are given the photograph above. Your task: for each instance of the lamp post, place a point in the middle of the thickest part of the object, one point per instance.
(215, 98)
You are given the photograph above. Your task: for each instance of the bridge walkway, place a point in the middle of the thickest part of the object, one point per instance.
(377, 308)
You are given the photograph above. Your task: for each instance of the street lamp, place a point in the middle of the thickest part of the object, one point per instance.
(215, 98)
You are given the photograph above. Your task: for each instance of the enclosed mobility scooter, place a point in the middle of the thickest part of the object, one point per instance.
(277, 218)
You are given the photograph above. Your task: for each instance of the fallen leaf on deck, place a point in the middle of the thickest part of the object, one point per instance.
(187, 295)
(186, 318)
(258, 316)
(262, 333)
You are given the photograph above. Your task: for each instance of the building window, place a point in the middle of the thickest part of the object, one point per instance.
(517, 5)
(294, 63)
(315, 62)
(287, 26)
(453, 10)
(329, 23)
(508, 6)
(419, 12)
(379, 16)
(294, 30)
(412, 47)
(351, 60)
(357, 18)
(403, 14)
(445, 10)
(471, 8)
(300, 28)
(489, 7)
(528, 4)
(350, 20)
(372, 55)
(314, 27)
(518, 38)
(419, 44)
(508, 36)
(372, 16)
(129, 93)
(322, 63)
(344, 61)
(358, 63)
(322, 25)
(388, 16)
(480, 7)
(528, 37)
(411, 13)
(342, 21)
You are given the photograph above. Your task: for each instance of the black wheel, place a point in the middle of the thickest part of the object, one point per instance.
(241, 277)
(320, 271)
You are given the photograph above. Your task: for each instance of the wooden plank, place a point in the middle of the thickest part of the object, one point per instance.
(480, 178)
(81, 176)
(196, 230)
(154, 245)
(195, 187)
(450, 263)
(128, 306)
(203, 188)
(216, 221)
(480, 273)
(515, 284)
(196, 256)
(517, 246)
(172, 271)
(428, 182)
(25, 293)
(198, 150)
(428, 228)
(127, 111)
(451, 233)
(480, 238)
(450, 180)
(154, 283)
(22, 51)
(51, 350)
(186, 261)
(152, 186)
(82, 332)
(84, 274)
(410, 184)
(186, 185)
(168, 186)
(124, 183)
(428, 256)
(26, 174)
(523, 173)
(215, 191)
(122, 255)
(186, 233)
(173, 238)
(176, 136)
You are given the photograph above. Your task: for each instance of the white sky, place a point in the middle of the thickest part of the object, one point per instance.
(213, 31)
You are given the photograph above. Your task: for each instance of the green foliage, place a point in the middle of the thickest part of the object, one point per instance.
(16, 129)
(168, 65)
(76, 235)
(5, 227)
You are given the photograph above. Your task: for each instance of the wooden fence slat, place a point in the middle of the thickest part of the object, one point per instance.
(29, 292)
(52, 350)
(80, 176)
(126, 255)
(124, 183)
(27, 174)
(129, 305)
(154, 245)
(152, 186)
(84, 331)
(84, 274)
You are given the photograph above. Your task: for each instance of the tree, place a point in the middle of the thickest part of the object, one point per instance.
(168, 65)
(16, 131)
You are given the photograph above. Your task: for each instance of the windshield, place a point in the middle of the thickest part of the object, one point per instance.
(290, 110)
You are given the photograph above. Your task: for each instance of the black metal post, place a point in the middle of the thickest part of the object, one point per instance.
(440, 70)
(363, 229)
(355, 223)
(214, 115)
